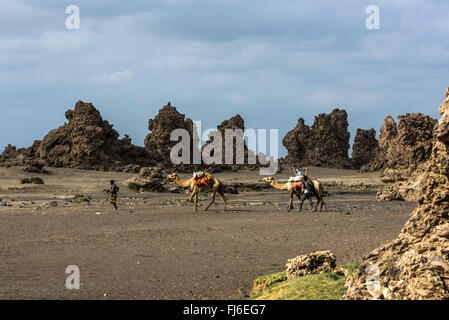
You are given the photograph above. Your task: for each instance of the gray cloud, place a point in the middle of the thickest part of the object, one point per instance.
(270, 61)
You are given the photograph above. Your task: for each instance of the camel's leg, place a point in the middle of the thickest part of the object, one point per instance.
(194, 191)
(196, 201)
(212, 199)
(317, 202)
(222, 195)
(322, 203)
(298, 196)
(290, 205)
(194, 198)
(191, 199)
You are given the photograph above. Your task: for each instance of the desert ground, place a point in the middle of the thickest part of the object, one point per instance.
(156, 247)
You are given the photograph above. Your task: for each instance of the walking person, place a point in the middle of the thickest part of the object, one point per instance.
(307, 194)
(113, 190)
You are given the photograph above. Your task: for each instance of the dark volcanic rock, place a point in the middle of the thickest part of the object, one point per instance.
(88, 142)
(388, 132)
(416, 264)
(34, 166)
(364, 148)
(404, 146)
(158, 143)
(325, 144)
(402, 154)
(85, 142)
(22, 157)
(153, 179)
(234, 123)
(411, 147)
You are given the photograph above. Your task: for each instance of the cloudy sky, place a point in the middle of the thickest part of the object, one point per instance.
(270, 61)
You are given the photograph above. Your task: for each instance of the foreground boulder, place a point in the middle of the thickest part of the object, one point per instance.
(416, 264)
(325, 144)
(318, 262)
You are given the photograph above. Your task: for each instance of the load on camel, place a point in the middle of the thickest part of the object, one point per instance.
(297, 186)
(201, 181)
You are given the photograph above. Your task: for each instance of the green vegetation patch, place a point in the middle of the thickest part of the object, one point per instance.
(82, 198)
(134, 186)
(324, 286)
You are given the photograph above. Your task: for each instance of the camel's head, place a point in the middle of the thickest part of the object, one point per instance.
(173, 176)
(267, 180)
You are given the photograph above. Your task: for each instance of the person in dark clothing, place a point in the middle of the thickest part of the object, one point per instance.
(300, 173)
(113, 190)
(307, 194)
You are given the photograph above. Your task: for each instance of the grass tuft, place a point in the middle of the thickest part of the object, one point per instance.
(324, 286)
(81, 198)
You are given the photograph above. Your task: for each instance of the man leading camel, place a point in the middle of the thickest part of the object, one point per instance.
(307, 193)
(302, 181)
(295, 189)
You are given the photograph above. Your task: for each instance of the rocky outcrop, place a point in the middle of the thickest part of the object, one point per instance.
(402, 154)
(416, 264)
(34, 167)
(234, 123)
(158, 143)
(23, 157)
(325, 144)
(388, 132)
(318, 262)
(410, 148)
(364, 148)
(86, 141)
(152, 179)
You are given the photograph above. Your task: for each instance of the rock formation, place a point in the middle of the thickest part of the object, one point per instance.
(158, 143)
(416, 264)
(153, 179)
(318, 262)
(402, 154)
(85, 142)
(388, 132)
(364, 148)
(89, 142)
(234, 123)
(325, 144)
(23, 157)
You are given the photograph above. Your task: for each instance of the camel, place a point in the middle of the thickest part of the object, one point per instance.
(318, 191)
(215, 187)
